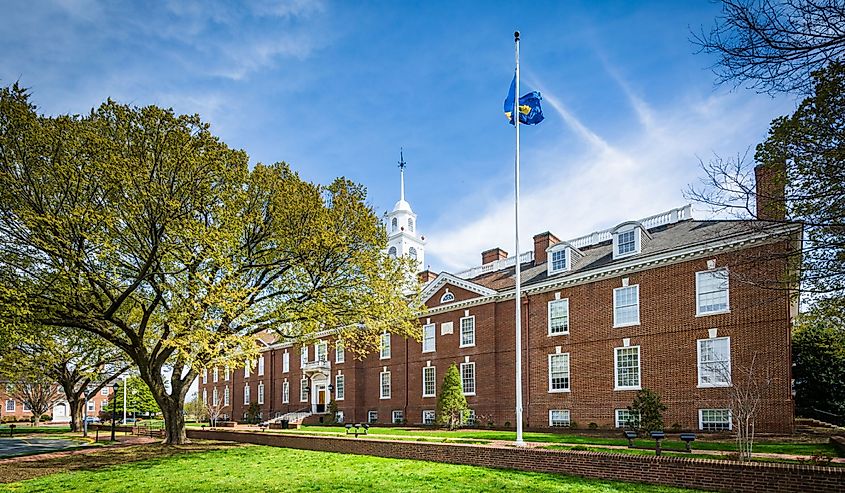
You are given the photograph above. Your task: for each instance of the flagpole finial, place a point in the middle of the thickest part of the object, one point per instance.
(516, 36)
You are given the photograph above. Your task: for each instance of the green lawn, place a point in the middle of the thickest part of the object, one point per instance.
(26, 429)
(258, 468)
(703, 443)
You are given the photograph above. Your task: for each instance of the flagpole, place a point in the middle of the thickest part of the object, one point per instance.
(518, 297)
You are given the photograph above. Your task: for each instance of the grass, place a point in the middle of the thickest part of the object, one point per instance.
(703, 443)
(25, 429)
(219, 467)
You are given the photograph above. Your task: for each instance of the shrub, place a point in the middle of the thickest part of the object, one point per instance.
(507, 424)
(593, 426)
(451, 403)
(46, 417)
(676, 427)
(649, 407)
(573, 425)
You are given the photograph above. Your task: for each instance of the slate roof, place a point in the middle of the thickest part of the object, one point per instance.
(664, 239)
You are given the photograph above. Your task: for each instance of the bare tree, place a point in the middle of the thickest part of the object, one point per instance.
(38, 395)
(747, 385)
(214, 408)
(774, 45)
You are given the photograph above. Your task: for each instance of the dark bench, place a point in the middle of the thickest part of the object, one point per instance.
(356, 429)
(688, 438)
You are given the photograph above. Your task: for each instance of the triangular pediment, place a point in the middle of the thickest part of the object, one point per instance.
(461, 289)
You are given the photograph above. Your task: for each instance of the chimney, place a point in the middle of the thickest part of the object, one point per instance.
(541, 242)
(493, 254)
(771, 190)
(426, 276)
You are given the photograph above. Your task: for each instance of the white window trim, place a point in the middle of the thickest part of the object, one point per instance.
(215, 375)
(339, 397)
(568, 421)
(247, 395)
(549, 317)
(727, 309)
(434, 377)
(567, 252)
(285, 392)
(285, 362)
(461, 332)
(474, 377)
(383, 346)
(433, 328)
(701, 417)
(260, 393)
(393, 416)
(549, 369)
(226, 396)
(303, 394)
(339, 353)
(260, 365)
(321, 347)
(627, 324)
(639, 369)
(381, 385)
(616, 417)
(370, 414)
(430, 412)
(447, 297)
(703, 385)
(637, 242)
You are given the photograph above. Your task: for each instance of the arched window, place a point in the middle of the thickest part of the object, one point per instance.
(392, 250)
(395, 224)
(447, 297)
(412, 252)
(410, 225)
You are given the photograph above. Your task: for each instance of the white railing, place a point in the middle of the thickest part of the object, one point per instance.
(669, 217)
(319, 365)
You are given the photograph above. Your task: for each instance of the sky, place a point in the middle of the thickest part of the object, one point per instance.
(337, 88)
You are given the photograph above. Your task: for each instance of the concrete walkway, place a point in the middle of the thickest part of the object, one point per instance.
(37, 449)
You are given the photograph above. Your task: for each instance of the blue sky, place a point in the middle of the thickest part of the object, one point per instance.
(336, 88)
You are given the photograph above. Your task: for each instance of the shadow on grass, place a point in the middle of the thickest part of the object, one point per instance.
(102, 459)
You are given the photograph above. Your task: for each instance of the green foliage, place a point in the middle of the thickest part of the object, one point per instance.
(171, 248)
(332, 410)
(807, 147)
(451, 402)
(650, 408)
(818, 354)
(252, 412)
(139, 399)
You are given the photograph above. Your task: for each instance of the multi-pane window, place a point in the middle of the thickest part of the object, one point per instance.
(627, 419)
(626, 305)
(91, 406)
(398, 417)
(303, 390)
(226, 373)
(468, 378)
(215, 397)
(105, 390)
(285, 392)
(559, 372)
(468, 331)
(339, 352)
(559, 317)
(321, 351)
(372, 417)
(204, 379)
(558, 417)
(339, 387)
(384, 352)
(215, 375)
(626, 242)
(428, 343)
(711, 291)
(205, 396)
(470, 417)
(559, 260)
(428, 417)
(627, 364)
(10, 405)
(261, 366)
(714, 419)
(247, 367)
(261, 393)
(246, 394)
(285, 362)
(338, 416)
(384, 378)
(303, 356)
(714, 362)
(226, 396)
(429, 382)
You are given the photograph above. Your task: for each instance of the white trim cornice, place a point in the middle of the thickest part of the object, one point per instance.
(445, 278)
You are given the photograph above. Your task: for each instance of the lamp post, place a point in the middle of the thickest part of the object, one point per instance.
(113, 409)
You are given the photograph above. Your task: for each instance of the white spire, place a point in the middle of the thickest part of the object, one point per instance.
(401, 175)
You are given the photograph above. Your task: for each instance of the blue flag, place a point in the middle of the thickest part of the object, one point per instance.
(530, 112)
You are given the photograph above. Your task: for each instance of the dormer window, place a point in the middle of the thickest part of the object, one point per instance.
(559, 259)
(447, 297)
(626, 240)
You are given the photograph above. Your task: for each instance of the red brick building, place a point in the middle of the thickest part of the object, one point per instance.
(14, 409)
(669, 303)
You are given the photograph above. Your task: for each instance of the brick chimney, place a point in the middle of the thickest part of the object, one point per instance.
(493, 254)
(771, 190)
(426, 276)
(541, 242)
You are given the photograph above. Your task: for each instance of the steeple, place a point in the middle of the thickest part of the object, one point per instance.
(402, 235)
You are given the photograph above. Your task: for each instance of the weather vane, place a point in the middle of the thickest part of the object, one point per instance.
(401, 159)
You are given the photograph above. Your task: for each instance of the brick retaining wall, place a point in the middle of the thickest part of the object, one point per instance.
(672, 471)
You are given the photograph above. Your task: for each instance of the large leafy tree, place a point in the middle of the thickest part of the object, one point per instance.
(139, 399)
(774, 45)
(139, 226)
(818, 350)
(805, 154)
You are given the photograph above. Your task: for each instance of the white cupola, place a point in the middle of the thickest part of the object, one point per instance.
(402, 235)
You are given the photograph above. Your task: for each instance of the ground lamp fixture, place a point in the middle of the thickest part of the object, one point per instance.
(113, 409)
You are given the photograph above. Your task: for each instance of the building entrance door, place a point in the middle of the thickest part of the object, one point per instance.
(321, 398)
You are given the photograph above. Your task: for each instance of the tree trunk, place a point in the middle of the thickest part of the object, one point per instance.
(76, 413)
(174, 423)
